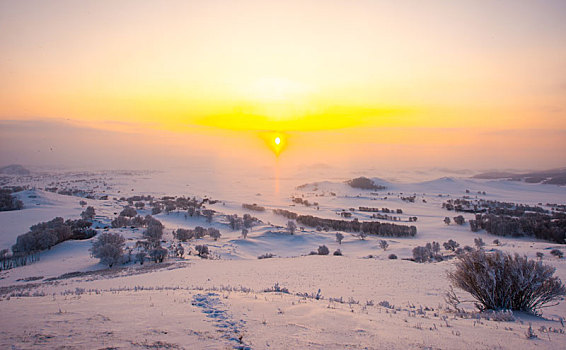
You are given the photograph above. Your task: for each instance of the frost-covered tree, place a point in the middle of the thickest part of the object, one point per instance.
(158, 254)
(245, 233)
(108, 247)
(183, 234)
(291, 227)
(154, 230)
(200, 232)
(451, 245)
(157, 208)
(214, 233)
(208, 214)
(179, 250)
(129, 212)
(447, 220)
(120, 221)
(235, 222)
(248, 220)
(421, 254)
(383, 244)
(459, 220)
(339, 237)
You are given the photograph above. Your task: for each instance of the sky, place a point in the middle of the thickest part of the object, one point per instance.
(477, 84)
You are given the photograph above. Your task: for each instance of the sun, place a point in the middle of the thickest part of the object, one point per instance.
(276, 141)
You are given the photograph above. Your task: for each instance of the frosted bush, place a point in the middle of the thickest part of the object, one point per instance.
(323, 250)
(451, 245)
(108, 247)
(129, 211)
(500, 281)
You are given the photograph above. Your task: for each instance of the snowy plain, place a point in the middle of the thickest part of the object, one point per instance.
(361, 300)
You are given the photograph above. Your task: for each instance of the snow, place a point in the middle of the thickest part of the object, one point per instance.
(195, 303)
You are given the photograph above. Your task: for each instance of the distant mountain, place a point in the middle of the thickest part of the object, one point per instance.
(14, 169)
(550, 177)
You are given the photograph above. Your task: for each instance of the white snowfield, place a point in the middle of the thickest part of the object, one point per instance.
(360, 300)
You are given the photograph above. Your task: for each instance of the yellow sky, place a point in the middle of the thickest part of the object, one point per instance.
(286, 66)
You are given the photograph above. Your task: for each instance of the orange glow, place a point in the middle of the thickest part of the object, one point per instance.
(287, 68)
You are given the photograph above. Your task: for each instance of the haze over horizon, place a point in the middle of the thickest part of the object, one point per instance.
(358, 85)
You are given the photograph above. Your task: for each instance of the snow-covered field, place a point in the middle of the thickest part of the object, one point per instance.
(361, 300)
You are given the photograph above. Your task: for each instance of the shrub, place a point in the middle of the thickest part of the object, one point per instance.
(500, 281)
(338, 252)
(157, 208)
(383, 244)
(88, 214)
(108, 247)
(129, 212)
(451, 245)
(447, 220)
(339, 238)
(141, 256)
(459, 220)
(392, 256)
(158, 254)
(323, 250)
(479, 243)
(202, 251)
(557, 253)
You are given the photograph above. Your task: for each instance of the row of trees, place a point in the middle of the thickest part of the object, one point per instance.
(367, 227)
(542, 226)
(45, 235)
(185, 235)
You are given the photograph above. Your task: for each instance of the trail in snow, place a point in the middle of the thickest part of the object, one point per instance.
(214, 309)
